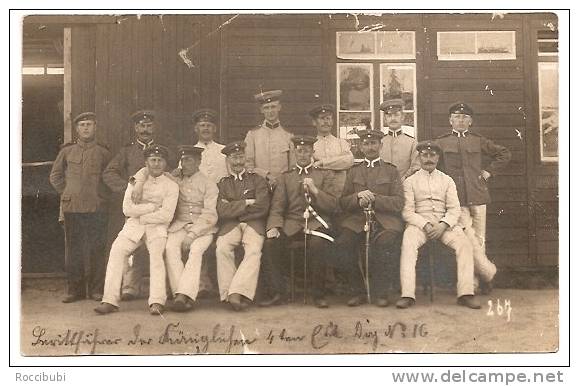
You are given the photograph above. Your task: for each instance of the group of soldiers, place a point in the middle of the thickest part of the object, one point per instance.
(268, 194)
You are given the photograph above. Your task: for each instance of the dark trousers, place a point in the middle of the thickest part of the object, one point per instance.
(275, 258)
(85, 243)
(383, 260)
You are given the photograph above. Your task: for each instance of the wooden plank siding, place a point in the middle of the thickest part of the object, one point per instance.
(496, 92)
(273, 52)
(134, 64)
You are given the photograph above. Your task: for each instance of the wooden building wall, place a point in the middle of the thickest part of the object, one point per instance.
(133, 63)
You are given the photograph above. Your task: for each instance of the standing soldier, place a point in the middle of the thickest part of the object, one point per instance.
(371, 185)
(398, 147)
(330, 152)
(242, 208)
(213, 165)
(77, 176)
(269, 149)
(124, 165)
(146, 222)
(300, 192)
(463, 152)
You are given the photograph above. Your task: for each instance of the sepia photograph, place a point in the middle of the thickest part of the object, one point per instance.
(289, 183)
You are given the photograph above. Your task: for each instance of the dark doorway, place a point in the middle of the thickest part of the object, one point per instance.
(42, 135)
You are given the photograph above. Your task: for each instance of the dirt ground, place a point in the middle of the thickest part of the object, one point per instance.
(511, 320)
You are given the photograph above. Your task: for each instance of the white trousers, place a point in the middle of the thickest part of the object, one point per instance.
(473, 220)
(241, 280)
(455, 238)
(184, 278)
(121, 249)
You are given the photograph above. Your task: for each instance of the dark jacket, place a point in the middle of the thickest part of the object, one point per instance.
(384, 182)
(463, 160)
(77, 175)
(289, 203)
(231, 207)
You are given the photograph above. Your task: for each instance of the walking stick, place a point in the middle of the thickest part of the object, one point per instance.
(368, 211)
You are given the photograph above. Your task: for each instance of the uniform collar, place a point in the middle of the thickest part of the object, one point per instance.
(86, 145)
(305, 170)
(204, 145)
(269, 125)
(394, 133)
(238, 176)
(459, 134)
(323, 137)
(371, 164)
(143, 144)
(156, 180)
(427, 173)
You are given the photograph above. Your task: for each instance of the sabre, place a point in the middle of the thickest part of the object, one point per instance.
(306, 217)
(368, 212)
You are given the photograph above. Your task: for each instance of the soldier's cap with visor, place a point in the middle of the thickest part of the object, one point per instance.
(267, 96)
(392, 105)
(86, 116)
(189, 151)
(156, 150)
(303, 140)
(204, 115)
(325, 108)
(460, 108)
(143, 116)
(233, 147)
(370, 134)
(428, 146)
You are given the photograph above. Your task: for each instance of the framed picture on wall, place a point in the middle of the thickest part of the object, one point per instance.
(476, 45)
(355, 87)
(549, 110)
(355, 45)
(398, 80)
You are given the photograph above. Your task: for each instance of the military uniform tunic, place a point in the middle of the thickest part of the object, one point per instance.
(463, 161)
(146, 222)
(269, 150)
(213, 163)
(240, 224)
(125, 164)
(287, 214)
(335, 155)
(195, 222)
(77, 175)
(382, 179)
(399, 149)
(431, 198)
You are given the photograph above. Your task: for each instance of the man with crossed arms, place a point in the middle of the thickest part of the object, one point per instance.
(242, 207)
(147, 222)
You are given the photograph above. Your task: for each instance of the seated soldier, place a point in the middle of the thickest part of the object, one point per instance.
(147, 222)
(300, 192)
(431, 211)
(242, 207)
(373, 185)
(192, 228)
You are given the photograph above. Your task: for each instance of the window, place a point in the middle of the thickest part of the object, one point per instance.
(548, 85)
(376, 45)
(476, 45)
(388, 54)
(398, 80)
(355, 97)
